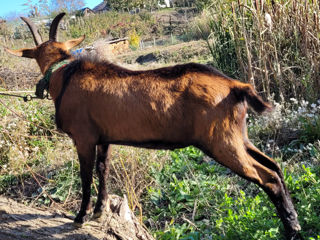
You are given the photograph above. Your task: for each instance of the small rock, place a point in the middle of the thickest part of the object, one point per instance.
(146, 58)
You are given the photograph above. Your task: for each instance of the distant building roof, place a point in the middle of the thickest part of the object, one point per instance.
(86, 11)
(104, 6)
(85, 8)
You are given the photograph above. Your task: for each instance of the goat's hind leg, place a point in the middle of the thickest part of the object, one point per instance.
(277, 191)
(102, 168)
(250, 163)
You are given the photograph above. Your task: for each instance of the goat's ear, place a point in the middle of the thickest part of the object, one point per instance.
(25, 52)
(74, 42)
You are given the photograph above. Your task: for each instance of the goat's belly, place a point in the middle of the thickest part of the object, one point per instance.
(146, 133)
(165, 145)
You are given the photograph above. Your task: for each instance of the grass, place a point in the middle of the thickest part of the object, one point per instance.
(195, 199)
(274, 46)
(30, 145)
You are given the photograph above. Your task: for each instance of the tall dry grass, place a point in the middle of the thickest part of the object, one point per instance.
(274, 45)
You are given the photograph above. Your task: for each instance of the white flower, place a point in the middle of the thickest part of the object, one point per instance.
(268, 20)
(293, 100)
(304, 103)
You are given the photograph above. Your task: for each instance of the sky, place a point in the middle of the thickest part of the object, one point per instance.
(15, 6)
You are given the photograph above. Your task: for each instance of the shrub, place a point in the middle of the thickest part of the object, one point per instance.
(134, 40)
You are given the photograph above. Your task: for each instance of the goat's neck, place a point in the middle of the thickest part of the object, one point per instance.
(45, 65)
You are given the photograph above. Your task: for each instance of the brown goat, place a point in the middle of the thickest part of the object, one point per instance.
(99, 103)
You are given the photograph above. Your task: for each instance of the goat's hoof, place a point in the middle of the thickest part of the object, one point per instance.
(77, 225)
(80, 219)
(295, 235)
(97, 215)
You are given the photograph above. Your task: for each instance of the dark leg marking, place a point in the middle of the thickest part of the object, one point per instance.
(102, 168)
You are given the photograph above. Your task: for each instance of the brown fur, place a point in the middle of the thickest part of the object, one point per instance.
(99, 103)
(162, 100)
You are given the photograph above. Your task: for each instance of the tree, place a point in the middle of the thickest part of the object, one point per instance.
(42, 7)
(32, 8)
(67, 5)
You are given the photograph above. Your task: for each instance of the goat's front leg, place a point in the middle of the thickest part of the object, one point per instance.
(86, 153)
(102, 168)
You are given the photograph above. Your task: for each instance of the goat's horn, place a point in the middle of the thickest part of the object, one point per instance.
(54, 26)
(34, 31)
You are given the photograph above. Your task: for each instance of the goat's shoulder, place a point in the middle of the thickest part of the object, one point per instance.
(105, 67)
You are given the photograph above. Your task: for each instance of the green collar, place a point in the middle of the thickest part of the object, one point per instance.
(43, 84)
(53, 68)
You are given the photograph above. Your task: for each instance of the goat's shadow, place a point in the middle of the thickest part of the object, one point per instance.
(23, 230)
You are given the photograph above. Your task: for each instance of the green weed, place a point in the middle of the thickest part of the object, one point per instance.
(196, 199)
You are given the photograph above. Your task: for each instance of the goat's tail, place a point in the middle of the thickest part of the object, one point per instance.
(246, 92)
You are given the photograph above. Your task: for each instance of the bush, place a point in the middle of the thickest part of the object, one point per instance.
(112, 24)
(134, 40)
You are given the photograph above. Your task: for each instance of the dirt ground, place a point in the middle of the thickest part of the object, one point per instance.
(20, 222)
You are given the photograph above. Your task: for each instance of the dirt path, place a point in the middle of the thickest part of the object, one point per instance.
(177, 53)
(20, 222)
